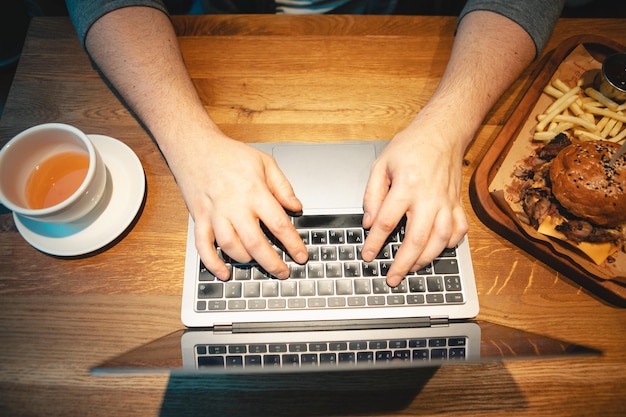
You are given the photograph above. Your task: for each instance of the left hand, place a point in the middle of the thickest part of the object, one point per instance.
(418, 174)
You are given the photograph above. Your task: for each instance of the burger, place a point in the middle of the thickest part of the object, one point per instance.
(588, 185)
(572, 191)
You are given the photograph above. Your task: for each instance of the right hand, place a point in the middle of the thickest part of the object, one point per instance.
(231, 188)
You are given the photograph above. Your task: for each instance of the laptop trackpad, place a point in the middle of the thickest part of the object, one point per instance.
(327, 178)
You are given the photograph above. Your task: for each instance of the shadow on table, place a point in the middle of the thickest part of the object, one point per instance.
(344, 393)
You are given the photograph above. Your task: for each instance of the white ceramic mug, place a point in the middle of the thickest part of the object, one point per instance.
(51, 173)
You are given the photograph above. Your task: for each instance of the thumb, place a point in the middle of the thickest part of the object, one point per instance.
(280, 187)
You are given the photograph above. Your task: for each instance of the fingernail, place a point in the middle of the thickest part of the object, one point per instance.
(301, 257)
(223, 275)
(393, 282)
(367, 254)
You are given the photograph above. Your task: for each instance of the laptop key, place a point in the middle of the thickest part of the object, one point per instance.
(317, 302)
(210, 290)
(270, 288)
(417, 284)
(328, 358)
(215, 305)
(434, 284)
(376, 300)
(379, 286)
(277, 347)
(288, 288)
(236, 304)
(306, 288)
(253, 360)
(336, 237)
(434, 298)
(315, 270)
(309, 359)
(257, 304)
(210, 361)
(297, 271)
(370, 269)
(234, 361)
(356, 301)
(232, 289)
(362, 286)
(446, 266)
(276, 303)
(415, 299)
(452, 283)
(336, 302)
(395, 300)
(325, 287)
(343, 287)
(271, 360)
(296, 303)
(252, 289)
(291, 360)
(334, 270)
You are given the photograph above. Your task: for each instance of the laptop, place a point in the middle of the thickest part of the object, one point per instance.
(360, 353)
(335, 288)
(335, 313)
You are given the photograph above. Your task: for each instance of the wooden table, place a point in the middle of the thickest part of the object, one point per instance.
(266, 78)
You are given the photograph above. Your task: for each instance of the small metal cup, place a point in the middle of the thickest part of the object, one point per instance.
(612, 78)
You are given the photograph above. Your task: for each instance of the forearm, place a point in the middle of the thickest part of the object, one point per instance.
(137, 51)
(489, 53)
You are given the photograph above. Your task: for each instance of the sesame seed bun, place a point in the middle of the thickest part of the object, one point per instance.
(587, 186)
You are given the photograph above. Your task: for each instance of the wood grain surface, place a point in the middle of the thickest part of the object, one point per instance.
(272, 78)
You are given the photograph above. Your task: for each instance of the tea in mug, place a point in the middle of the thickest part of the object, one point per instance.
(55, 179)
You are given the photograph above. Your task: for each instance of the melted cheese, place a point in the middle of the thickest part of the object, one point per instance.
(598, 252)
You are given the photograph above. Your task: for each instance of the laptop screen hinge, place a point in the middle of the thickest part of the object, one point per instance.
(357, 324)
(223, 328)
(439, 321)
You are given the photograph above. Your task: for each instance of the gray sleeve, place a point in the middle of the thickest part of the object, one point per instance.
(85, 12)
(537, 17)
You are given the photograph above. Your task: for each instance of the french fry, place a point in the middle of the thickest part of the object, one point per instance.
(608, 127)
(552, 91)
(560, 85)
(555, 111)
(586, 135)
(584, 113)
(565, 98)
(546, 136)
(600, 111)
(576, 121)
(616, 129)
(610, 104)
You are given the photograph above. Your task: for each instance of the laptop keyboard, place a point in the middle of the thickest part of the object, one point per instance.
(334, 277)
(330, 353)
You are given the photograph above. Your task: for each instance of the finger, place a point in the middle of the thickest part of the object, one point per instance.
(280, 187)
(280, 227)
(460, 228)
(259, 247)
(421, 245)
(277, 222)
(229, 240)
(391, 212)
(205, 245)
(376, 191)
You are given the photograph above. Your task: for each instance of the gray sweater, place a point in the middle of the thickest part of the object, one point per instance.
(537, 17)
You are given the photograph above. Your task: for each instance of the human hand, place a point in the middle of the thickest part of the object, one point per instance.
(230, 189)
(418, 175)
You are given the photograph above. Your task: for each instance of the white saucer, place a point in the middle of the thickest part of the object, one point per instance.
(115, 212)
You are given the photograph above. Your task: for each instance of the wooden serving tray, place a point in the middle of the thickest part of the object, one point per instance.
(489, 204)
